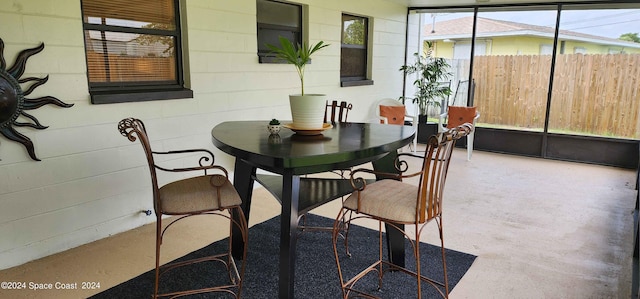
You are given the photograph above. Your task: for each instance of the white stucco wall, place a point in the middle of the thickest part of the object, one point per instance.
(92, 182)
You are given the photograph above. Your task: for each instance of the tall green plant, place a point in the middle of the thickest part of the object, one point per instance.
(432, 71)
(298, 55)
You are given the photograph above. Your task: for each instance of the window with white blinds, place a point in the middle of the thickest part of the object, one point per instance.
(133, 50)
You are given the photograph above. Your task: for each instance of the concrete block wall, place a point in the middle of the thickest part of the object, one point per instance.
(92, 182)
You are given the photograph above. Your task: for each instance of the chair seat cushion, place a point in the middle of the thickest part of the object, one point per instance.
(394, 114)
(458, 115)
(388, 199)
(197, 194)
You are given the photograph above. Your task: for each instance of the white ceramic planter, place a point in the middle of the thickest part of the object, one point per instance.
(273, 129)
(307, 111)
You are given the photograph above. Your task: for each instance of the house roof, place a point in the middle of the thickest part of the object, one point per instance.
(461, 28)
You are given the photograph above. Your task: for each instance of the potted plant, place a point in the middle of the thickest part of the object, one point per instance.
(274, 126)
(431, 73)
(307, 110)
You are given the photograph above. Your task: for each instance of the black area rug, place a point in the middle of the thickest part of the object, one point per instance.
(316, 271)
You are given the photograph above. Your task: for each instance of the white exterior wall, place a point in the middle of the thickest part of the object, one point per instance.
(92, 182)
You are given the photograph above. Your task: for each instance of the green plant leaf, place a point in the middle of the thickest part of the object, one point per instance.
(432, 71)
(297, 55)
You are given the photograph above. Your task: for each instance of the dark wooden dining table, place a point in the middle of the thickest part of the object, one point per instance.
(288, 157)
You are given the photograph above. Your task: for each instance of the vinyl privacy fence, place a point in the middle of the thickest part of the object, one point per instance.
(592, 94)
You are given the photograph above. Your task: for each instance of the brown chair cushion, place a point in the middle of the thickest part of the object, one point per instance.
(388, 199)
(197, 194)
(458, 115)
(394, 114)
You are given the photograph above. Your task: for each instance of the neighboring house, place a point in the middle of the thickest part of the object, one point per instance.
(452, 39)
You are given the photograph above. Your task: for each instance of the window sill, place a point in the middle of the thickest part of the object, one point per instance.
(142, 96)
(270, 59)
(355, 83)
(274, 60)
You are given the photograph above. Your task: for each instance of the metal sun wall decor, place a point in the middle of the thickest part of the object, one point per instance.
(13, 102)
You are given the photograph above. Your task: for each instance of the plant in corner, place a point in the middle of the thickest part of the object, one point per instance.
(431, 73)
(307, 110)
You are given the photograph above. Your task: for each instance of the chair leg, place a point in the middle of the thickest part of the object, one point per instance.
(444, 260)
(348, 287)
(236, 277)
(302, 220)
(380, 261)
(158, 243)
(416, 254)
(337, 227)
(346, 224)
(469, 146)
(244, 230)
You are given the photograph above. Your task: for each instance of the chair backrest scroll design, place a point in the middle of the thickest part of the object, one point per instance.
(134, 129)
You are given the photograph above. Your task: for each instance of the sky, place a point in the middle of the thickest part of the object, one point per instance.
(608, 23)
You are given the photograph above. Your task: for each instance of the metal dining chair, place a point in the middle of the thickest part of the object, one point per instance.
(390, 111)
(335, 113)
(208, 194)
(397, 203)
(457, 115)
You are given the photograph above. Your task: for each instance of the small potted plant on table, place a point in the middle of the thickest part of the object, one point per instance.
(274, 126)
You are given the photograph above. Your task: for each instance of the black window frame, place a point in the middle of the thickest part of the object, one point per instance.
(265, 55)
(346, 81)
(121, 92)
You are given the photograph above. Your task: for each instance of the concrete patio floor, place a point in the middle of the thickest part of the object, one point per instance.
(540, 229)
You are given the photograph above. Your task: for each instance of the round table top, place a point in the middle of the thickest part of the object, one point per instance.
(342, 145)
